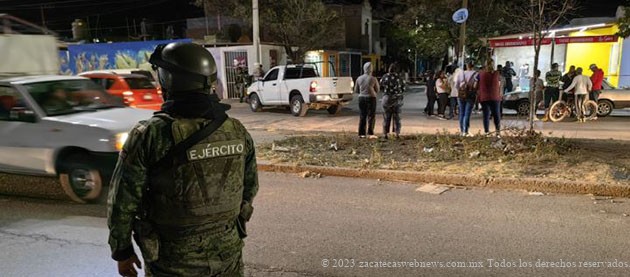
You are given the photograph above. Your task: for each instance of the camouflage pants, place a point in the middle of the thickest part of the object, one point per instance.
(203, 255)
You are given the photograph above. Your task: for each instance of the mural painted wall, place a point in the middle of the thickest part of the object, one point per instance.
(98, 56)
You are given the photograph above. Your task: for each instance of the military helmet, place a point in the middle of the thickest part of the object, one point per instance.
(183, 67)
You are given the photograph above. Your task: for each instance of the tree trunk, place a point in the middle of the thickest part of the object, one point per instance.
(532, 88)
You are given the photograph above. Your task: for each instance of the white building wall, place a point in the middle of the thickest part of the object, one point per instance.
(219, 56)
(525, 55)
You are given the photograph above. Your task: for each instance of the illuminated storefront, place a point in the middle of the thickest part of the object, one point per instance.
(575, 45)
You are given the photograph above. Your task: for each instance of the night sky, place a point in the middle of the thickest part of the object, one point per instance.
(108, 17)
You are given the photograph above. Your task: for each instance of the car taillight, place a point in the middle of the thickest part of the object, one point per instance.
(128, 98)
(159, 91)
(313, 87)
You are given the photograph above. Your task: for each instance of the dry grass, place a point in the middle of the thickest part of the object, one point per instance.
(516, 154)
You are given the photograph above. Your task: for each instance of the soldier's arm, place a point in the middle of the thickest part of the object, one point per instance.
(251, 172)
(125, 193)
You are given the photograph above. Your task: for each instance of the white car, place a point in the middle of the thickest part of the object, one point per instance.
(300, 87)
(63, 126)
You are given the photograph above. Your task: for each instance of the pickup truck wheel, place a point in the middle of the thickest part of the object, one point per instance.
(254, 103)
(334, 109)
(298, 107)
(80, 180)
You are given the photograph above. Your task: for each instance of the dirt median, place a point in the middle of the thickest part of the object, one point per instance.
(521, 161)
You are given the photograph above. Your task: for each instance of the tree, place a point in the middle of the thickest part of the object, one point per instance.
(299, 25)
(434, 31)
(537, 17)
(624, 23)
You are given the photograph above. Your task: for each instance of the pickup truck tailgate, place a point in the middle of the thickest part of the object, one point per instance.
(334, 85)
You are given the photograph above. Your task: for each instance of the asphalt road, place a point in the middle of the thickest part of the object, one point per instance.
(279, 119)
(306, 227)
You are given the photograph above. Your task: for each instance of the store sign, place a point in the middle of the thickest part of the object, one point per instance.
(591, 39)
(460, 16)
(497, 43)
(514, 42)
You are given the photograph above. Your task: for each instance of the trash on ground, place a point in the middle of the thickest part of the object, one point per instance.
(333, 146)
(536, 193)
(498, 145)
(308, 174)
(276, 148)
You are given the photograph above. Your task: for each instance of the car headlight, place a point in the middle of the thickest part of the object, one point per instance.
(351, 84)
(121, 138)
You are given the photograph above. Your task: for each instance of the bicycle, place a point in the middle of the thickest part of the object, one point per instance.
(562, 109)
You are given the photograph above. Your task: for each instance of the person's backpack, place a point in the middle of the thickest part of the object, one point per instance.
(469, 87)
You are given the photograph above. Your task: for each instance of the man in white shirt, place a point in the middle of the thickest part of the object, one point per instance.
(582, 85)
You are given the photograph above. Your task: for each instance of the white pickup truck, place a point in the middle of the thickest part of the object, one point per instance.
(300, 87)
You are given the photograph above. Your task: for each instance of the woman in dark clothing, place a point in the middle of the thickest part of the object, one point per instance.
(431, 94)
(490, 97)
(443, 91)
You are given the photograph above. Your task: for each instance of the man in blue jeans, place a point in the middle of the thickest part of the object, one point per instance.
(468, 81)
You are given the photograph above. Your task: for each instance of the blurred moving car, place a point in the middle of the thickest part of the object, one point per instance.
(63, 126)
(612, 98)
(135, 89)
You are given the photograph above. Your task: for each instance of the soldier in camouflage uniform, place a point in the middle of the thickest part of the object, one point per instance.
(188, 219)
(242, 81)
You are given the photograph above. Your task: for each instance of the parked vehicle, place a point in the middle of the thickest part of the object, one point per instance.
(136, 90)
(63, 126)
(149, 74)
(517, 100)
(612, 98)
(301, 87)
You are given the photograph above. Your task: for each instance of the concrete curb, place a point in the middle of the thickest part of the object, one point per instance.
(529, 184)
(31, 186)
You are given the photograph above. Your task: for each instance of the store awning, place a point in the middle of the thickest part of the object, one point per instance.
(517, 42)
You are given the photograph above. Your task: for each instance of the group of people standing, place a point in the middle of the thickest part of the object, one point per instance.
(573, 82)
(393, 87)
(462, 91)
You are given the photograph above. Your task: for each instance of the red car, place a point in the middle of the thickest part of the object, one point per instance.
(136, 90)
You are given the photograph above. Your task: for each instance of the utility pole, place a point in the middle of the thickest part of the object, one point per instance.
(256, 30)
(462, 38)
(205, 13)
(41, 8)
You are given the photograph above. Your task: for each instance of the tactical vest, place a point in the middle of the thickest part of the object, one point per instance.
(207, 189)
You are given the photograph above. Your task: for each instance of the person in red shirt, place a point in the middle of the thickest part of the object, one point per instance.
(597, 79)
(490, 97)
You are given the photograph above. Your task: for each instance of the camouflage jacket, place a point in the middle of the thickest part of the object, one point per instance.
(147, 143)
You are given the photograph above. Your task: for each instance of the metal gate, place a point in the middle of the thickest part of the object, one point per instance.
(233, 60)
